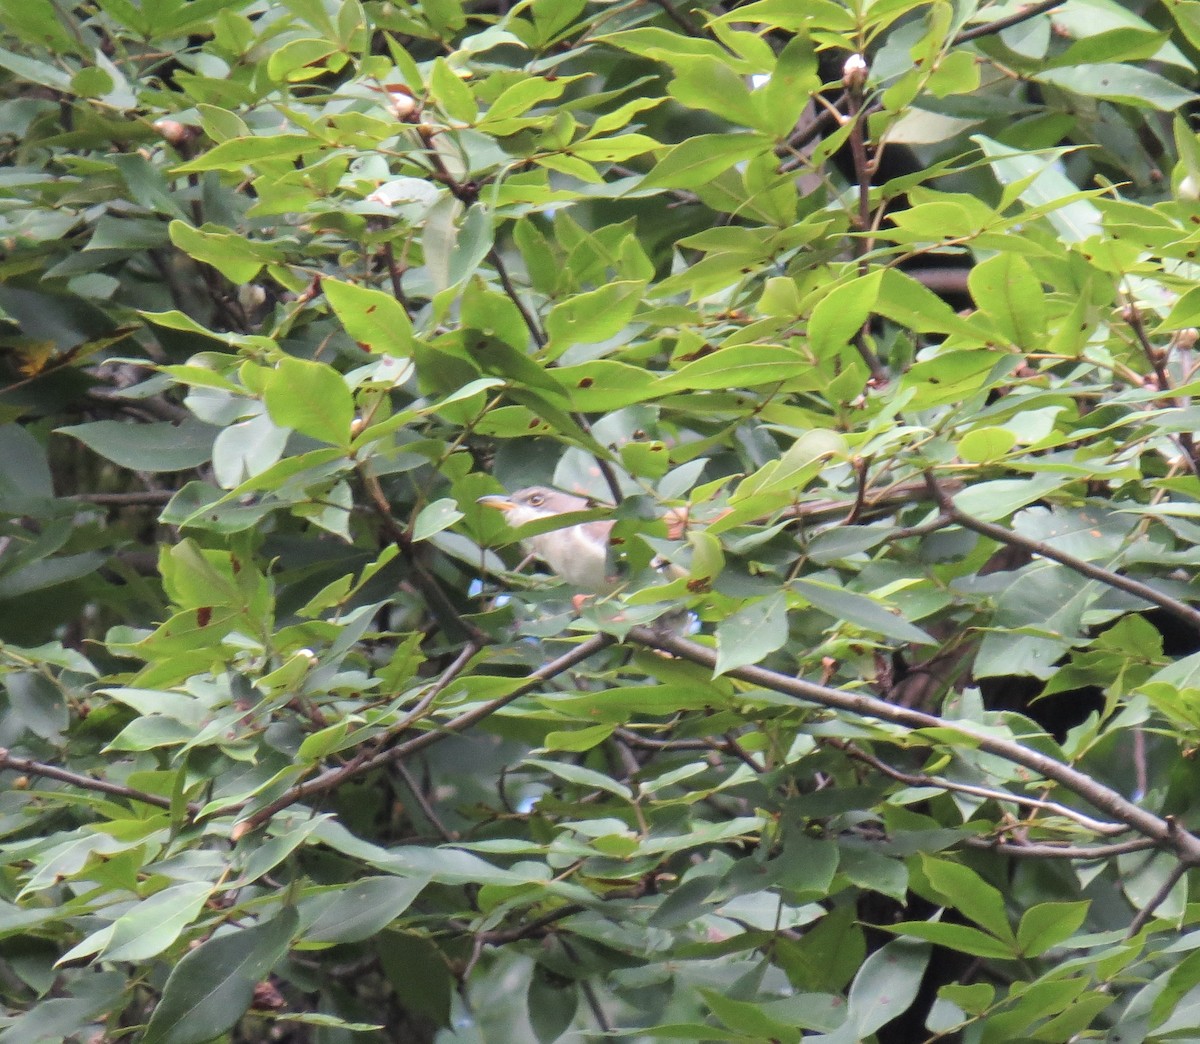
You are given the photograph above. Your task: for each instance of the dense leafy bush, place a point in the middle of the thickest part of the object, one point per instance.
(891, 304)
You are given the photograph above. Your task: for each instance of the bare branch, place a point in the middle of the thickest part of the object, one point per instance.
(1046, 850)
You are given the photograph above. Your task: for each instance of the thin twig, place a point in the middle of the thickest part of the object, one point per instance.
(396, 276)
(855, 78)
(1045, 850)
(531, 323)
(588, 991)
(332, 778)
(673, 13)
(1000, 24)
(75, 779)
(921, 780)
(1156, 900)
(539, 338)
(423, 802)
(1157, 360)
(426, 583)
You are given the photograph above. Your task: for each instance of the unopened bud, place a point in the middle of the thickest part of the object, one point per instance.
(854, 72)
(251, 296)
(401, 101)
(173, 131)
(1186, 338)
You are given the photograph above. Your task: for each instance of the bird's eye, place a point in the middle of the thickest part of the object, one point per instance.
(536, 500)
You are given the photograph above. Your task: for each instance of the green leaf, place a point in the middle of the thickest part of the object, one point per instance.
(155, 923)
(749, 1019)
(311, 398)
(157, 446)
(698, 160)
(885, 986)
(704, 82)
(213, 985)
(739, 366)
(592, 317)
(860, 610)
(577, 739)
(1126, 84)
(841, 314)
(234, 256)
(960, 887)
(986, 444)
(451, 93)
(377, 321)
(1005, 288)
(955, 937)
(435, 517)
(582, 777)
(359, 910)
(1048, 924)
(751, 633)
(238, 153)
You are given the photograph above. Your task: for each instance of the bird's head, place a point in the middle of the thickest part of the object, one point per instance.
(533, 503)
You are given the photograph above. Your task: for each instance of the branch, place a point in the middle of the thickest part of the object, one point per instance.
(921, 780)
(1032, 850)
(75, 779)
(1156, 900)
(149, 497)
(333, 778)
(1164, 832)
(539, 338)
(430, 589)
(1157, 360)
(1000, 24)
(854, 77)
(1176, 608)
(673, 13)
(531, 323)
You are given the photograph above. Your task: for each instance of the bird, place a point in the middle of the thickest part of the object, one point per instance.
(579, 554)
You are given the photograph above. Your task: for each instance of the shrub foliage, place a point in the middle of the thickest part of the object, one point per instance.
(889, 303)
